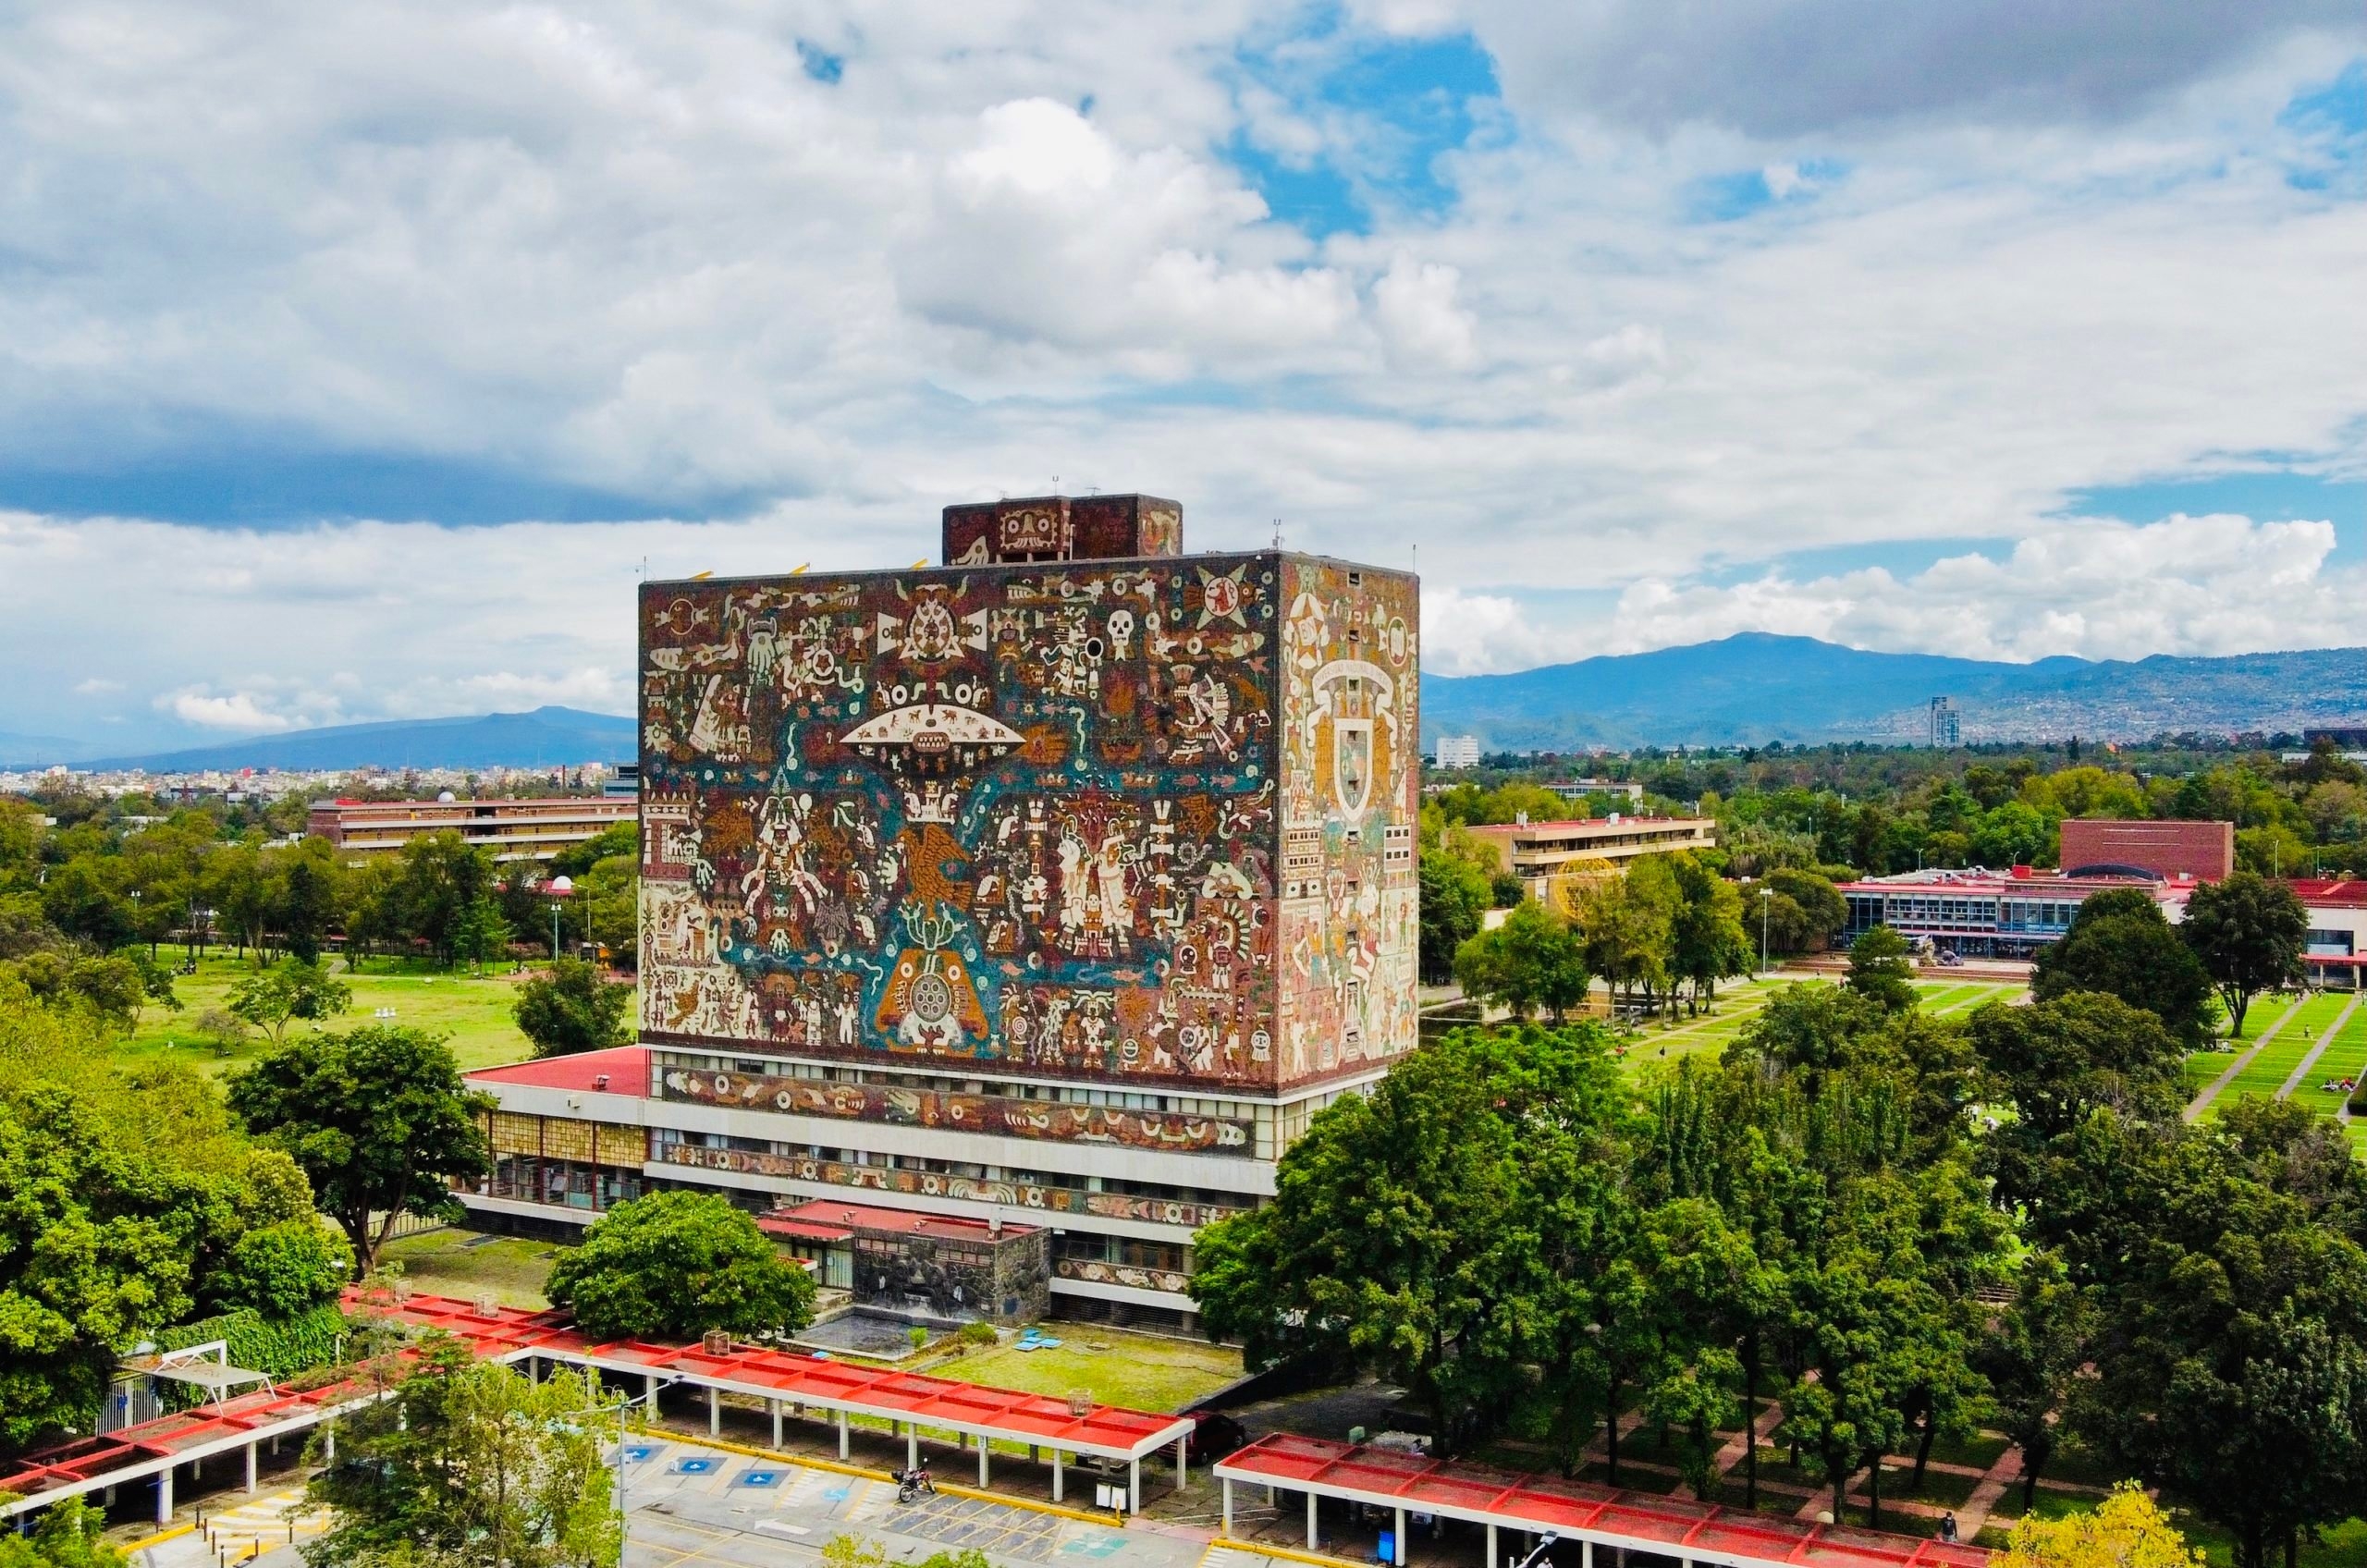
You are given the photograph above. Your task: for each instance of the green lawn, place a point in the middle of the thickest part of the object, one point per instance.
(1141, 1371)
(473, 1010)
(468, 1264)
(2275, 1061)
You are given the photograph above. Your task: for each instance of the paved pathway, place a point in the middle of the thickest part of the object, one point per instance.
(2211, 1090)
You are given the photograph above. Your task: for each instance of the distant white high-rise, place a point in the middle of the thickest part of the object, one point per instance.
(1458, 751)
(1944, 723)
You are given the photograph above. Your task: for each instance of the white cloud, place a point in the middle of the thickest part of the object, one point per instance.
(240, 711)
(1421, 321)
(96, 687)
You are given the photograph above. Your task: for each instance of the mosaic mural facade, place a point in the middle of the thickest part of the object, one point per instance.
(1147, 823)
(932, 1185)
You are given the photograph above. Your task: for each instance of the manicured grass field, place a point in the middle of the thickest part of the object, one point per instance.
(468, 1264)
(1739, 1001)
(2266, 1073)
(1144, 1371)
(474, 1010)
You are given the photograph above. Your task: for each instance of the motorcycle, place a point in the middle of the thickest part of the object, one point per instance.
(910, 1482)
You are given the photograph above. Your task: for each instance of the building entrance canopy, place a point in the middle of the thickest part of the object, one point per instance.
(1690, 1532)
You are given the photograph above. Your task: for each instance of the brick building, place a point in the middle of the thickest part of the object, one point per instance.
(1058, 886)
(2197, 852)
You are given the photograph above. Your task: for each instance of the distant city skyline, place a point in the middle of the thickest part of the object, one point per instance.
(360, 363)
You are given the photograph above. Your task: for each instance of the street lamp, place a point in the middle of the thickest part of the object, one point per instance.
(555, 890)
(1766, 902)
(1544, 1544)
(623, 1405)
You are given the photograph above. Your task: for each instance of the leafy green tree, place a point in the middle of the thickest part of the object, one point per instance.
(1822, 911)
(608, 898)
(70, 1534)
(1532, 961)
(2121, 944)
(110, 989)
(442, 876)
(674, 1264)
(617, 838)
(471, 1462)
(1706, 939)
(308, 901)
(482, 930)
(2032, 1356)
(1809, 1030)
(82, 899)
(2250, 935)
(2058, 1062)
(284, 1270)
(1627, 923)
(1454, 896)
(290, 989)
(574, 1009)
(1879, 969)
(379, 1119)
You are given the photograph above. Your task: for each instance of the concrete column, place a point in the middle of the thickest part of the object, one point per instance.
(1035, 1453)
(1310, 1522)
(328, 1442)
(1225, 1484)
(1493, 1561)
(1586, 1554)
(108, 1498)
(911, 1447)
(842, 1434)
(1056, 1474)
(1133, 1486)
(982, 1462)
(252, 1487)
(714, 1411)
(164, 1496)
(649, 1393)
(774, 1406)
(1182, 1464)
(1397, 1541)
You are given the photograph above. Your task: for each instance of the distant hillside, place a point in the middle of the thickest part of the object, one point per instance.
(1755, 687)
(547, 737)
(41, 750)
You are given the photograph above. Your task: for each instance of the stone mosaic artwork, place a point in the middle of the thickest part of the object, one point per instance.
(1145, 821)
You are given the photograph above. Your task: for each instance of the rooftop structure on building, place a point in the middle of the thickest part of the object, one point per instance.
(1057, 885)
(1542, 853)
(2201, 851)
(534, 830)
(1579, 788)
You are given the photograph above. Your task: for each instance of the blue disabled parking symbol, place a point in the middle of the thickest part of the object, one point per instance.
(638, 1453)
(693, 1466)
(761, 1479)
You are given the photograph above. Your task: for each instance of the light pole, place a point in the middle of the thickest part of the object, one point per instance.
(623, 1405)
(555, 890)
(1766, 902)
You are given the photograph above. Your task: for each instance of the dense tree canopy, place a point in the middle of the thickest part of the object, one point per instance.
(379, 1119)
(574, 1008)
(674, 1264)
(2121, 944)
(2249, 933)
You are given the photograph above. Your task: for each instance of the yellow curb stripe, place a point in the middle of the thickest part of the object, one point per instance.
(950, 1489)
(161, 1536)
(1288, 1553)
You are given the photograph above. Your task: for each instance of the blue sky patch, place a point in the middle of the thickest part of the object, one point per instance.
(1387, 109)
(1724, 198)
(2263, 498)
(819, 63)
(2329, 128)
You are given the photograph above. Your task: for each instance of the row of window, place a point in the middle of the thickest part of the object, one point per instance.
(1023, 1089)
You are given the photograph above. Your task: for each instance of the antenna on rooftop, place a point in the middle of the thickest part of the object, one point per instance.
(1278, 533)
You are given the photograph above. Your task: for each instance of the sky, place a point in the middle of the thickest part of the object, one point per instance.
(356, 360)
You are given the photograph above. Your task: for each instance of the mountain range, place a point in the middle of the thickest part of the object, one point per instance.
(547, 737)
(1756, 687)
(1748, 689)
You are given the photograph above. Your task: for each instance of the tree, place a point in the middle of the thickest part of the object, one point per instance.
(2121, 944)
(1627, 923)
(283, 1269)
(2127, 1530)
(379, 1119)
(2032, 1355)
(573, 1008)
(2250, 935)
(290, 989)
(672, 1265)
(70, 1534)
(1706, 939)
(608, 898)
(1879, 969)
(471, 1462)
(618, 838)
(442, 876)
(1822, 911)
(1453, 898)
(482, 930)
(308, 899)
(1533, 960)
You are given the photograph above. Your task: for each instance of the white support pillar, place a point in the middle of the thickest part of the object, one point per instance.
(774, 1406)
(1056, 1474)
(1182, 1464)
(649, 1393)
(1225, 1482)
(1133, 1486)
(1493, 1561)
(1310, 1522)
(164, 1496)
(982, 1462)
(912, 1447)
(1397, 1541)
(842, 1435)
(328, 1442)
(108, 1498)
(252, 1487)
(1586, 1554)
(714, 1411)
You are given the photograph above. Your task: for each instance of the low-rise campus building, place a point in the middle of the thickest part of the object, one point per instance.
(534, 830)
(1544, 854)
